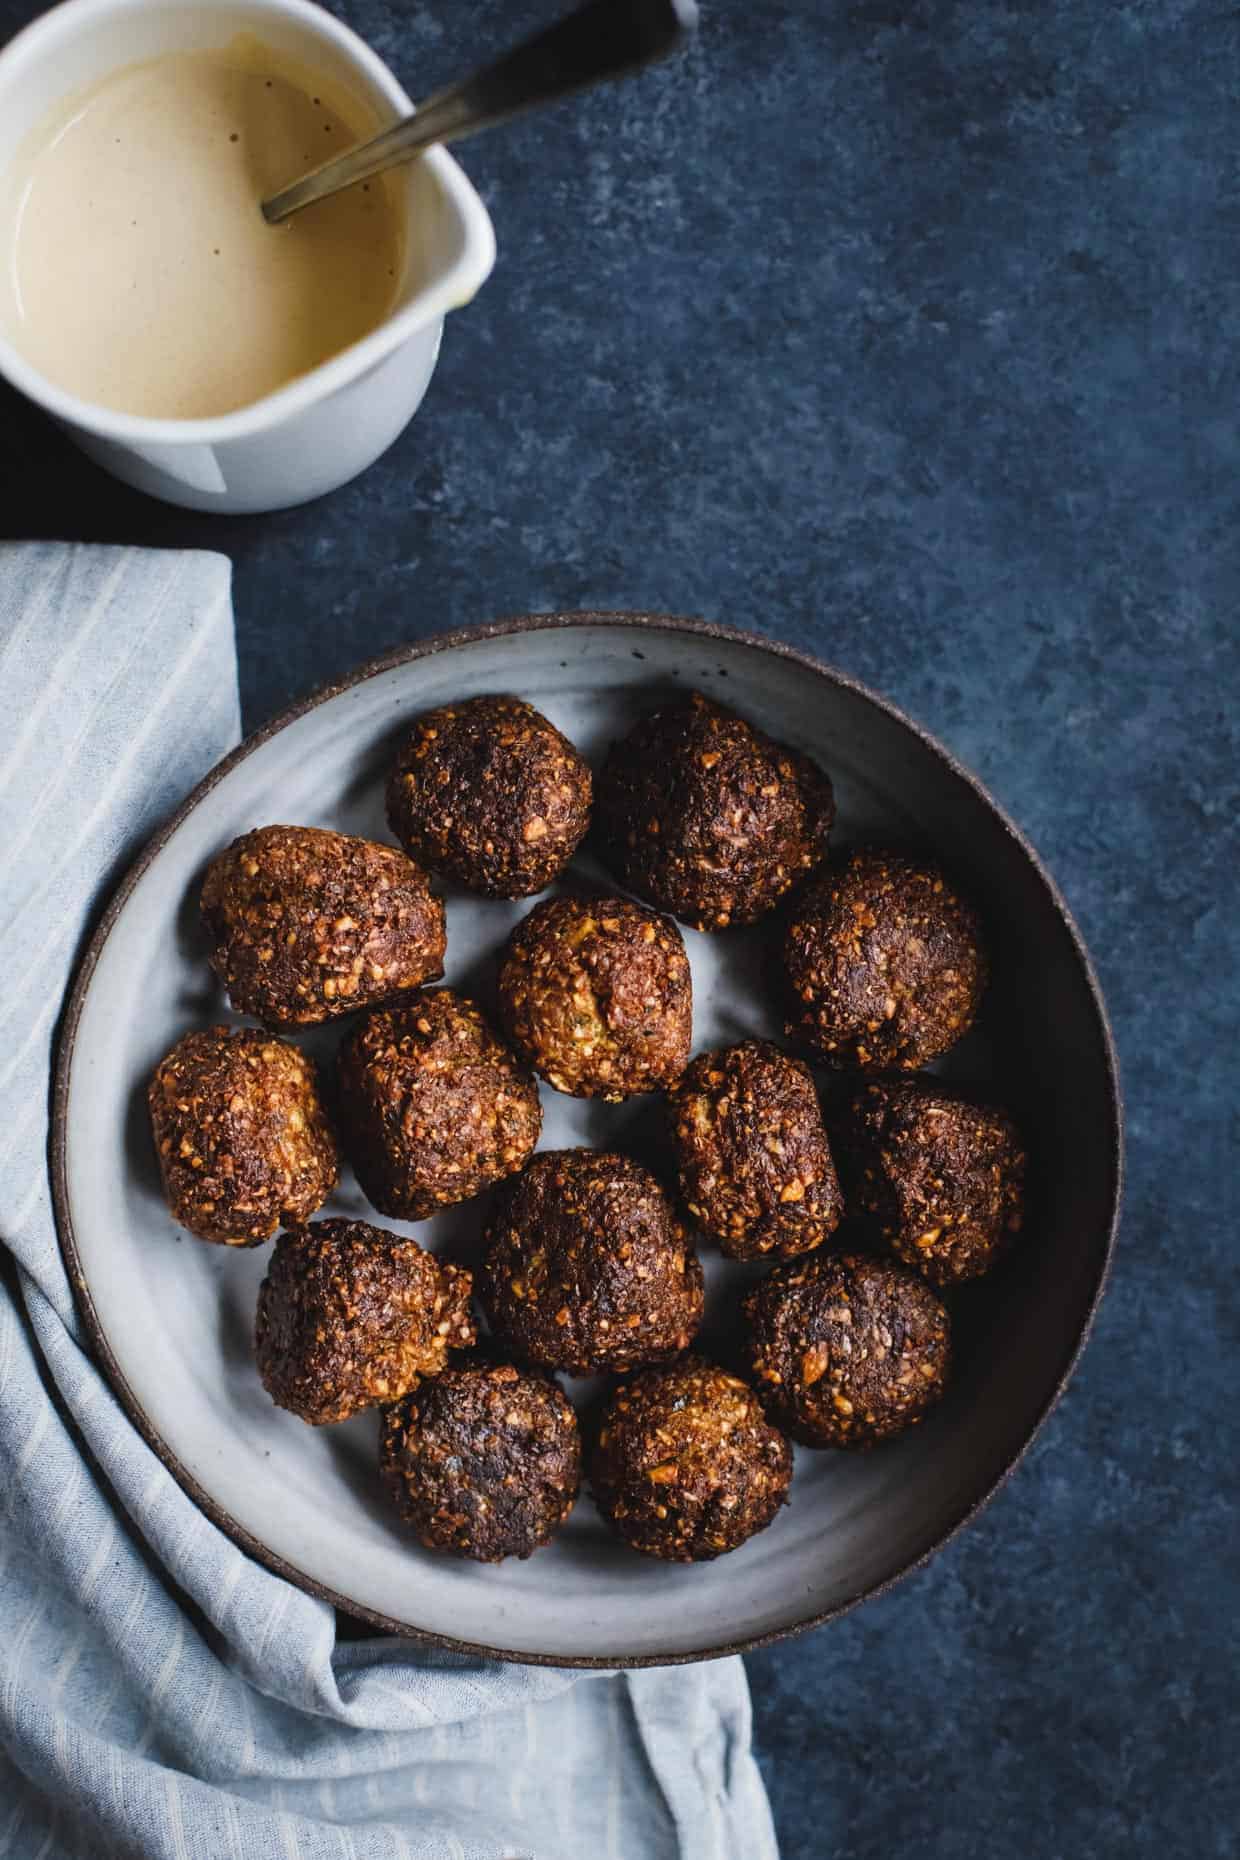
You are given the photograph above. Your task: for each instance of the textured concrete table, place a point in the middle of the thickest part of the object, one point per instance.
(908, 333)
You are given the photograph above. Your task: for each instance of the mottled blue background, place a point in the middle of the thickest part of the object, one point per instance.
(907, 333)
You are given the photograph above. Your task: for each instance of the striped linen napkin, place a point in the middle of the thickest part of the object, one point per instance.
(161, 1694)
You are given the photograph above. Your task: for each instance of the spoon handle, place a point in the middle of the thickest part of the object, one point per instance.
(603, 39)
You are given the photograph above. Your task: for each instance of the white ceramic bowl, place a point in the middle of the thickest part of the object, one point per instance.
(320, 430)
(172, 1318)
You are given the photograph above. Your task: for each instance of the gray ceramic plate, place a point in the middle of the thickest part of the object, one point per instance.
(171, 1318)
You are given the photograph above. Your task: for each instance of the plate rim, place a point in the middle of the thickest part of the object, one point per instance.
(66, 1040)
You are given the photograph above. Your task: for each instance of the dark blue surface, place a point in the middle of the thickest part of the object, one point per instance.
(906, 333)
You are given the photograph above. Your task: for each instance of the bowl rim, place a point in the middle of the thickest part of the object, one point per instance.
(453, 286)
(637, 622)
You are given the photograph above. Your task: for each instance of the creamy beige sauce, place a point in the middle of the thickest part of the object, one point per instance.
(142, 275)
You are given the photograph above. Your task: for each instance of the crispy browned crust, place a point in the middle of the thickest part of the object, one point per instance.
(484, 1461)
(433, 1106)
(350, 1317)
(755, 1167)
(595, 993)
(709, 819)
(308, 924)
(846, 1350)
(243, 1143)
(587, 1267)
(936, 1176)
(491, 794)
(886, 963)
(686, 1465)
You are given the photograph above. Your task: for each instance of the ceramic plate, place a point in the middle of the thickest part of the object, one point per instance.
(171, 1318)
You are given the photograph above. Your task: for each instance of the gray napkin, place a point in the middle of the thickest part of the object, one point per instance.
(161, 1694)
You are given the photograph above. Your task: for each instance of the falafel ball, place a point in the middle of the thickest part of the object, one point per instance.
(706, 817)
(491, 794)
(846, 1350)
(755, 1167)
(308, 924)
(484, 1461)
(595, 993)
(244, 1146)
(686, 1465)
(433, 1106)
(587, 1267)
(886, 963)
(938, 1177)
(350, 1316)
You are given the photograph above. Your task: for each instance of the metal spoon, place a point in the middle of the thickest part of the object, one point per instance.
(601, 40)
